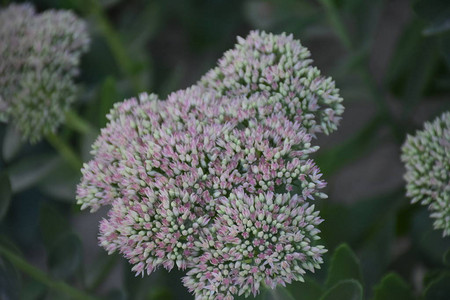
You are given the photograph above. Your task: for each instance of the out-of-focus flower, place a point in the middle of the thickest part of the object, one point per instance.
(39, 54)
(427, 159)
(279, 67)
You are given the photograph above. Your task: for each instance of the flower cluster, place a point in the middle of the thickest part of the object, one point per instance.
(279, 66)
(218, 184)
(40, 56)
(427, 159)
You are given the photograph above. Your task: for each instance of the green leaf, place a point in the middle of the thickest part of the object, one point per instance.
(52, 224)
(344, 265)
(65, 256)
(308, 290)
(5, 194)
(108, 96)
(61, 182)
(436, 12)
(12, 142)
(9, 281)
(31, 170)
(353, 148)
(32, 289)
(426, 239)
(280, 293)
(344, 290)
(376, 252)
(393, 287)
(438, 289)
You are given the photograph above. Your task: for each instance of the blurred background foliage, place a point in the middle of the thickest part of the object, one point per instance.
(391, 60)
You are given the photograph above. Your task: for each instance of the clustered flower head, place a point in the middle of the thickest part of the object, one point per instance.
(39, 54)
(427, 159)
(215, 183)
(279, 66)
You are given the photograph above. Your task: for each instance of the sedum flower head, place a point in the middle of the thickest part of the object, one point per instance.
(40, 56)
(174, 172)
(427, 159)
(218, 179)
(279, 67)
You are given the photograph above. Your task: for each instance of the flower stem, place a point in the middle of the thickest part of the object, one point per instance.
(75, 122)
(118, 50)
(65, 150)
(40, 276)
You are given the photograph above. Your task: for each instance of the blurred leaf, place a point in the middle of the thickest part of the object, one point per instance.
(436, 12)
(30, 170)
(160, 293)
(393, 287)
(108, 96)
(337, 225)
(375, 253)
(5, 193)
(428, 240)
(344, 290)
(117, 294)
(52, 224)
(350, 150)
(32, 289)
(61, 182)
(12, 142)
(344, 265)
(280, 293)
(438, 289)
(65, 256)
(100, 269)
(410, 80)
(9, 281)
(308, 290)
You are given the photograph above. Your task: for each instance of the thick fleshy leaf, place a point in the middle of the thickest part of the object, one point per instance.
(344, 265)
(5, 194)
(393, 287)
(344, 290)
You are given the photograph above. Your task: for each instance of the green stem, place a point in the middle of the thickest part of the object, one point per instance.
(118, 50)
(74, 121)
(40, 276)
(65, 150)
(336, 23)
